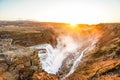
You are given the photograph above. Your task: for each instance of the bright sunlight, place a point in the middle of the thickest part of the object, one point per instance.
(73, 25)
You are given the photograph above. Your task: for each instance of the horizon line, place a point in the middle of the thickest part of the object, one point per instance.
(59, 21)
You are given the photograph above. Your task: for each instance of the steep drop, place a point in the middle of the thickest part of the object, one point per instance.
(52, 58)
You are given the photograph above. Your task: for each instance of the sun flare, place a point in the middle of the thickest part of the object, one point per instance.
(73, 24)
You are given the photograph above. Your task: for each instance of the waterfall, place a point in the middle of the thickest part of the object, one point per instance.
(49, 57)
(52, 58)
(77, 61)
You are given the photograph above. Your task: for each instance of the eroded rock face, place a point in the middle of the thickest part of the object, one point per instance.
(76, 76)
(44, 76)
(100, 64)
(5, 44)
(17, 62)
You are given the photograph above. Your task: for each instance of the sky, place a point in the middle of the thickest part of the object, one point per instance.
(71, 11)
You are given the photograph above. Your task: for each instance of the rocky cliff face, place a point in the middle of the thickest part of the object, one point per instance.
(29, 38)
(17, 62)
(44, 76)
(103, 62)
(21, 63)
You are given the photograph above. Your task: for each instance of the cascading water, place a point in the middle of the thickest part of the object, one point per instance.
(77, 61)
(52, 58)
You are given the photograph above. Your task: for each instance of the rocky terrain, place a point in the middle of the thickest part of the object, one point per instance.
(20, 63)
(103, 62)
(27, 33)
(17, 62)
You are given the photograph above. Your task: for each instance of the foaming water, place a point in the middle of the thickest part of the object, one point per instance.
(52, 58)
(77, 61)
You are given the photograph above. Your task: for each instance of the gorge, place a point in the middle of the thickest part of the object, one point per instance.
(57, 51)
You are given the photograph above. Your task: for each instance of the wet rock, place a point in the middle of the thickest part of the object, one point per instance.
(66, 66)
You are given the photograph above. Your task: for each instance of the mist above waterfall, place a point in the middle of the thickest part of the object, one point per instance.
(53, 58)
(62, 52)
(70, 48)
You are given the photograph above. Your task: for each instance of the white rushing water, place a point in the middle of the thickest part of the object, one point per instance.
(52, 58)
(77, 61)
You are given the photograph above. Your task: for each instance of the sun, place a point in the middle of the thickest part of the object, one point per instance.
(73, 24)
